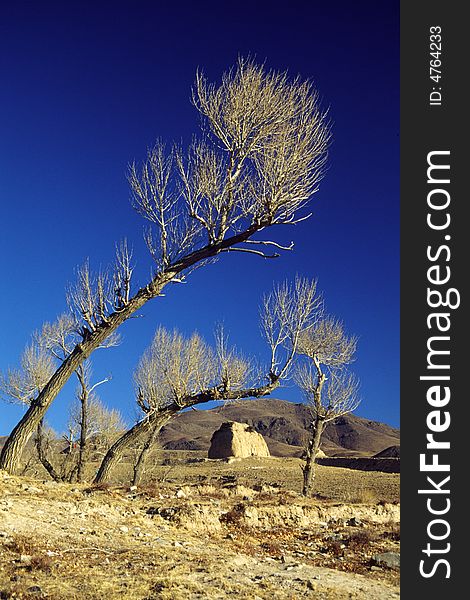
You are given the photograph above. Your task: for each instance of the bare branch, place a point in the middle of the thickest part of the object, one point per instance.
(122, 275)
(102, 422)
(270, 243)
(288, 312)
(342, 392)
(24, 384)
(171, 368)
(90, 298)
(294, 221)
(234, 371)
(273, 128)
(327, 343)
(156, 196)
(263, 162)
(59, 337)
(251, 251)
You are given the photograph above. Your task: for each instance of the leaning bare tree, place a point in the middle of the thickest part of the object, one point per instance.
(176, 372)
(328, 388)
(262, 156)
(174, 368)
(170, 370)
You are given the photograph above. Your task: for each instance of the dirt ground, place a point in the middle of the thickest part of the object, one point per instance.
(210, 530)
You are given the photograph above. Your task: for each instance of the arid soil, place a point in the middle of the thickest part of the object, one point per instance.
(210, 530)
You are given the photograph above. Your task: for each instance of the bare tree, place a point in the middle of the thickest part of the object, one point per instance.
(261, 158)
(176, 373)
(86, 441)
(45, 443)
(86, 417)
(59, 338)
(328, 388)
(52, 344)
(24, 384)
(174, 368)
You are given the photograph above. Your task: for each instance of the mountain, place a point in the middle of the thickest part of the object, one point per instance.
(391, 452)
(284, 426)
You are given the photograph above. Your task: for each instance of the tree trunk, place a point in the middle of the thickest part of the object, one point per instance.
(153, 422)
(14, 445)
(317, 426)
(312, 449)
(83, 436)
(42, 454)
(141, 460)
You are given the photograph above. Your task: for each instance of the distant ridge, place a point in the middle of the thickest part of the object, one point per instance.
(390, 452)
(284, 426)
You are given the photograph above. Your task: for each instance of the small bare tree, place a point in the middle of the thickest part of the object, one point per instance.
(59, 339)
(53, 344)
(85, 415)
(262, 156)
(91, 430)
(176, 373)
(103, 425)
(328, 388)
(24, 384)
(175, 367)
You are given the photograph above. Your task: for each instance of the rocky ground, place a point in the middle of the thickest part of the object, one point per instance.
(219, 538)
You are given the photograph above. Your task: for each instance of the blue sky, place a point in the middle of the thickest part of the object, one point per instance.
(87, 87)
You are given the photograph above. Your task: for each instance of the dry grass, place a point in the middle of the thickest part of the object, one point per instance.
(333, 483)
(212, 530)
(362, 495)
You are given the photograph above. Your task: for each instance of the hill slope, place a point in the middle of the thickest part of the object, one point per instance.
(284, 426)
